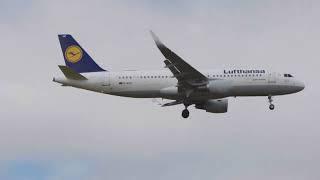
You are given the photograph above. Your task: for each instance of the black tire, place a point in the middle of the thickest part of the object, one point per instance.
(271, 107)
(185, 113)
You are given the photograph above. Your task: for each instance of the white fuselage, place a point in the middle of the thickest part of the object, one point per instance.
(161, 84)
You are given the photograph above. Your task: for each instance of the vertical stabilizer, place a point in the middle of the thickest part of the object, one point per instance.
(76, 57)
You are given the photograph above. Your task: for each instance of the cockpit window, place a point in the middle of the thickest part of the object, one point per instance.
(288, 75)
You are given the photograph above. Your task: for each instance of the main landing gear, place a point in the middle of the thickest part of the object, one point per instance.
(271, 106)
(185, 112)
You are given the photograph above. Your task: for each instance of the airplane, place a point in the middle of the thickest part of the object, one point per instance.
(179, 82)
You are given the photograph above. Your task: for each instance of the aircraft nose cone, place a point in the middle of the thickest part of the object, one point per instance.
(300, 86)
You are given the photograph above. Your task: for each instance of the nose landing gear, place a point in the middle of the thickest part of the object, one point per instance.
(271, 106)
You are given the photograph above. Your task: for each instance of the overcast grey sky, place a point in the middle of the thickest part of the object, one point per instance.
(52, 132)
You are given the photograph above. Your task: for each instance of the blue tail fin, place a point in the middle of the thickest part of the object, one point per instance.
(76, 57)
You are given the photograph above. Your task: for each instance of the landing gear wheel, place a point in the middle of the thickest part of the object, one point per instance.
(185, 113)
(271, 107)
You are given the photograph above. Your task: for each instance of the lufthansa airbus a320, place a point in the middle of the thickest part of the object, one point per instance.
(178, 81)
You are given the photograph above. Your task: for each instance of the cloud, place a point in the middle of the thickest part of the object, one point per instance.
(79, 134)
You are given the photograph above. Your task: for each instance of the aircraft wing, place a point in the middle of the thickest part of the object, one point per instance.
(184, 72)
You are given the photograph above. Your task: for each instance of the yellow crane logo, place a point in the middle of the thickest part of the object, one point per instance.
(73, 54)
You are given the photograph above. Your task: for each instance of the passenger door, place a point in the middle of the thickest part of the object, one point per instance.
(272, 78)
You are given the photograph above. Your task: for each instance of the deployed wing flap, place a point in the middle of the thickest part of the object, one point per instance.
(172, 68)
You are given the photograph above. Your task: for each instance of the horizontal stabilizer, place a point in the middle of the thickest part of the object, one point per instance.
(71, 74)
(173, 103)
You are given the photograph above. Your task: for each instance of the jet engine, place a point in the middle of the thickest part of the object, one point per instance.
(214, 106)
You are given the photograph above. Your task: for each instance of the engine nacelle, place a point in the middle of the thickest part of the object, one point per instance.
(214, 106)
(219, 87)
